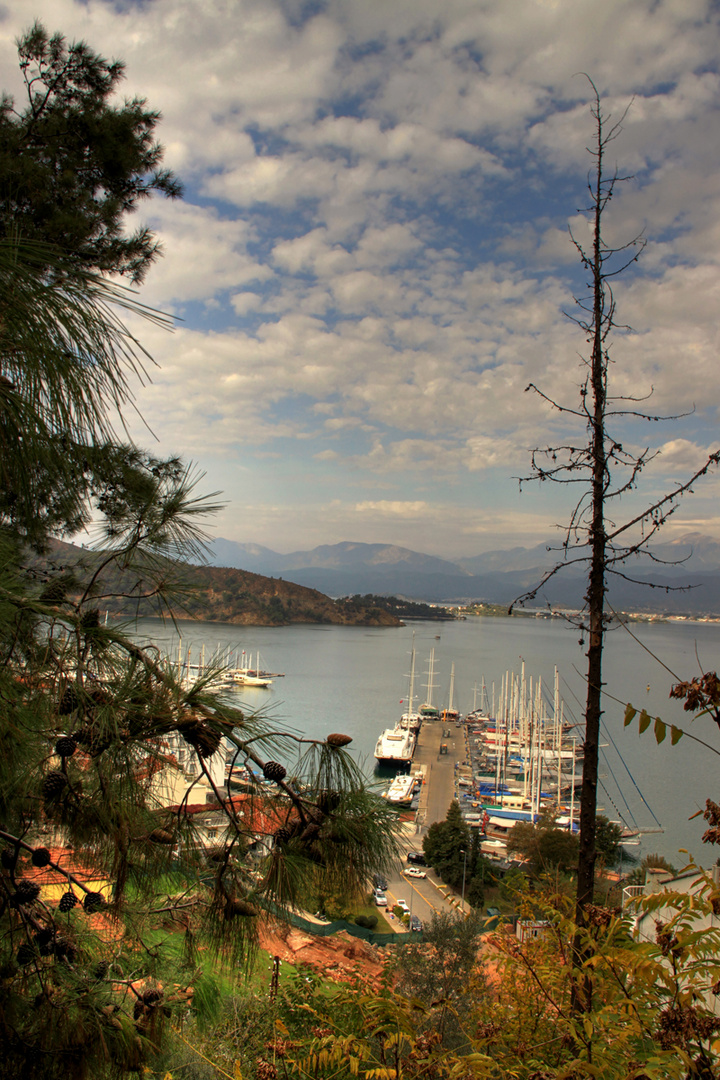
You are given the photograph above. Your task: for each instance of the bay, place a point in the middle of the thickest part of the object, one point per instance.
(353, 679)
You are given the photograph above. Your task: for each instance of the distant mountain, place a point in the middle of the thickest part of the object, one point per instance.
(346, 556)
(690, 563)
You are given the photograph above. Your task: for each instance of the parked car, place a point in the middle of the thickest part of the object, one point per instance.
(415, 923)
(416, 857)
(380, 882)
(402, 904)
(380, 898)
(412, 871)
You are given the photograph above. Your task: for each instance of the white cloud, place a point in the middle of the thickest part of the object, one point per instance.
(393, 508)
(378, 195)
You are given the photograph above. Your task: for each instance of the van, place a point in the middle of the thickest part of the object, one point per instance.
(416, 857)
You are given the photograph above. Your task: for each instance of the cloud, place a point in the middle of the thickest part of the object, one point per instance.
(372, 259)
(392, 508)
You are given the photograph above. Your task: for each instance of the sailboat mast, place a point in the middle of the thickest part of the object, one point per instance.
(412, 679)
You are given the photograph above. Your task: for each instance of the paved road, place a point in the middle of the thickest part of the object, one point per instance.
(424, 896)
(439, 787)
(427, 895)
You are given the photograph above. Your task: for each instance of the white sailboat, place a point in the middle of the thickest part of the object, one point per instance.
(428, 710)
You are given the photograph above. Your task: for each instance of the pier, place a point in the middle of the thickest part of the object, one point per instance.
(438, 789)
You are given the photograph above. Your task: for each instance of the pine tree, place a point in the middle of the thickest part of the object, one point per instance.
(73, 164)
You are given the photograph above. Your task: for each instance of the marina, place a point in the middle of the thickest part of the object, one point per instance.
(346, 678)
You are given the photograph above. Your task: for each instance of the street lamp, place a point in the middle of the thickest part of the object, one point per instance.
(463, 852)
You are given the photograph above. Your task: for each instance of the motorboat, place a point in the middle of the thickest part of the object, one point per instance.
(395, 746)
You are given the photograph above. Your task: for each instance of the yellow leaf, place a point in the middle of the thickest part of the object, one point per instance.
(660, 730)
(630, 714)
(675, 734)
(281, 1027)
(645, 719)
(237, 1071)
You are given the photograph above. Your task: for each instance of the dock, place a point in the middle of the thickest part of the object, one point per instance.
(438, 767)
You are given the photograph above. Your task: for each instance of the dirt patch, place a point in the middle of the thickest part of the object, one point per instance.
(341, 957)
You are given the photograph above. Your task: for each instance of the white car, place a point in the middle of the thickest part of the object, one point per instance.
(402, 904)
(412, 871)
(380, 898)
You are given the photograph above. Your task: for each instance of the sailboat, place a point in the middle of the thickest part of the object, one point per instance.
(396, 746)
(410, 719)
(451, 714)
(247, 675)
(428, 710)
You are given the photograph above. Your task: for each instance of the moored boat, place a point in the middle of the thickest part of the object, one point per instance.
(395, 746)
(401, 790)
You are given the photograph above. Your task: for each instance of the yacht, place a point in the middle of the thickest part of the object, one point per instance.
(395, 746)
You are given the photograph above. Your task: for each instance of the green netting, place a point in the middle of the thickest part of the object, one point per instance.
(325, 929)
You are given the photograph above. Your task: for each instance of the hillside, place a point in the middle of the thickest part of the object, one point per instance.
(208, 594)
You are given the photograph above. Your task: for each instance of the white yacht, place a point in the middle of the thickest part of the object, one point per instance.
(395, 746)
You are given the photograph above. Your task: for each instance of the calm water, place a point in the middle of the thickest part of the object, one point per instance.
(352, 679)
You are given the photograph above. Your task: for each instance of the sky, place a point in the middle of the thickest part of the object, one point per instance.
(373, 261)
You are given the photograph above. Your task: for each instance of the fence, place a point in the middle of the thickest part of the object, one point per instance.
(326, 929)
(411, 938)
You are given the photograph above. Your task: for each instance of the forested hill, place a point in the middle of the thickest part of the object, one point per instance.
(205, 593)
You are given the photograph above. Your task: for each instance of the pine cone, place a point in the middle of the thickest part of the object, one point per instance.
(65, 949)
(273, 770)
(69, 701)
(94, 738)
(93, 901)
(67, 901)
(26, 892)
(8, 858)
(202, 738)
(152, 996)
(216, 854)
(65, 747)
(54, 592)
(100, 970)
(235, 906)
(90, 620)
(338, 740)
(162, 836)
(328, 801)
(45, 940)
(40, 857)
(282, 835)
(310, 832)
(53, 785)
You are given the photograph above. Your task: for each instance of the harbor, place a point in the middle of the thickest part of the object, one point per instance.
(355, 680)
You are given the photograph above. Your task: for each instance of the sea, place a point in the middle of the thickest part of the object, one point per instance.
(355, 680)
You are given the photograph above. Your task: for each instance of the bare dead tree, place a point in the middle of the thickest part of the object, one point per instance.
(604, 470)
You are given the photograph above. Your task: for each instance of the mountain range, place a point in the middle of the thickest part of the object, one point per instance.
(683, 576)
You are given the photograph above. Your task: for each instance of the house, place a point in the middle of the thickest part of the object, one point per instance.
(691, 898)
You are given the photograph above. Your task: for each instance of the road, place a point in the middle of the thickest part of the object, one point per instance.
(426, 896)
